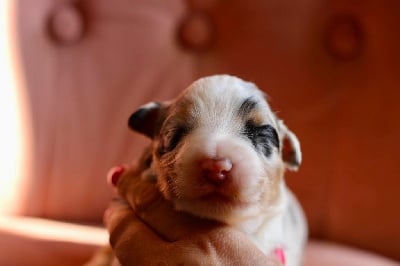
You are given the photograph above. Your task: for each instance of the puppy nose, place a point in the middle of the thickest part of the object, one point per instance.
(216, 170)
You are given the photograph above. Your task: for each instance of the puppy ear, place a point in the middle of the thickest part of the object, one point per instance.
(291, 152)
(145, 120)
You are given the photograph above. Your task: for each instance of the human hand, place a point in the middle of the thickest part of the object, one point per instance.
(146, 230)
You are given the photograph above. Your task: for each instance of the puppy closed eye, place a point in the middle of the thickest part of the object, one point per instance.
(262, 137)
(171, 138)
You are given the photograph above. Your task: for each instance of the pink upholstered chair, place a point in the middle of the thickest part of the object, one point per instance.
(331, 68)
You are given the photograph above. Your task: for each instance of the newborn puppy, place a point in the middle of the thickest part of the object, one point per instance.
(220, 153)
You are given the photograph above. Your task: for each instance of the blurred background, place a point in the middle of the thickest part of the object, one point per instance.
(73, 71)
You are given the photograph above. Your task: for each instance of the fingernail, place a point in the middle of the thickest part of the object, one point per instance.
(114, 174)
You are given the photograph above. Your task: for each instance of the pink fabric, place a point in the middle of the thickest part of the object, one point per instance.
(330, 254)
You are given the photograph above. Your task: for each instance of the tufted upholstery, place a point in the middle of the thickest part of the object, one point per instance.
(331, 69)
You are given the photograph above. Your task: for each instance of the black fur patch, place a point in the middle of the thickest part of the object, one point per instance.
(262, 137)
(145, 120)
(247, 106)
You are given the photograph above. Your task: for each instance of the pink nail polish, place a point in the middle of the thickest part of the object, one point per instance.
(114, 174)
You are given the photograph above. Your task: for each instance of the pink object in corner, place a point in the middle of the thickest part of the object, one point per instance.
(280, 255)
(114, 174)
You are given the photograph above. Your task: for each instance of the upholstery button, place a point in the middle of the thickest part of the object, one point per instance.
(66, 25)
(196, 32)
(345, 37)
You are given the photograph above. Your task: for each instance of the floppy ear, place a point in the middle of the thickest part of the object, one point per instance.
(145, 120)
(291, 152)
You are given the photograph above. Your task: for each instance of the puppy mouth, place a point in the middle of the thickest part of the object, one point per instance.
(219, 195)
(216, 206)
(216, 198)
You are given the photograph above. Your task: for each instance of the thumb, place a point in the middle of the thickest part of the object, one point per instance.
(159, 213)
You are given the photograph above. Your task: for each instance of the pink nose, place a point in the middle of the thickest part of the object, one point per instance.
(216, 170)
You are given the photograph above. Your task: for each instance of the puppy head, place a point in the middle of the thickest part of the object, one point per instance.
(219, 152)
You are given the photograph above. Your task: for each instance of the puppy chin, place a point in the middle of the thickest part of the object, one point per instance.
(218, 208)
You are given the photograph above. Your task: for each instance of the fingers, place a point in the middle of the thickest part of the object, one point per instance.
(137, 244)
(144, 197)
(132, 241)
(148, 203)
(160, 214)
(116, 211)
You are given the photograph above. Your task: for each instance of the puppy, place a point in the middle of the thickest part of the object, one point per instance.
(220, 153)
